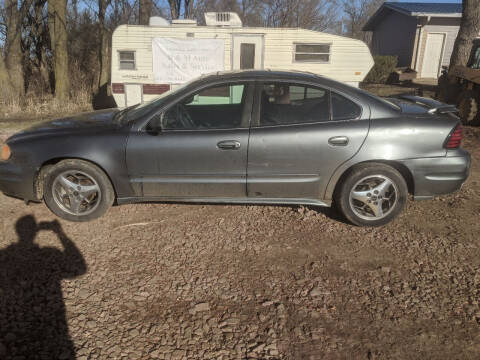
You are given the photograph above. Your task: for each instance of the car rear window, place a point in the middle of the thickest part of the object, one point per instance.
(344, 109)
(283, 104)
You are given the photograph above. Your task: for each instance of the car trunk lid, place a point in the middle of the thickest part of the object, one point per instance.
(411, 104)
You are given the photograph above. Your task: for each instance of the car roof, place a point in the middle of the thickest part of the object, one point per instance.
(378, 107)
(272, 75)
(261, 74)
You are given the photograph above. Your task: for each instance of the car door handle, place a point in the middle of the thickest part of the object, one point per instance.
(229, 145)
(338, 141)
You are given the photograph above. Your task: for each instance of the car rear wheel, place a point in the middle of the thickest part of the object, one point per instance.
(77, 190)
(372, 195)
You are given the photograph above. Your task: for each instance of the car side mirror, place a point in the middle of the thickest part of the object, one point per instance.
(154, 127)
(188, 100)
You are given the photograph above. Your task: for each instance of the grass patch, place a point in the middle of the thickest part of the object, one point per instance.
(34, 108)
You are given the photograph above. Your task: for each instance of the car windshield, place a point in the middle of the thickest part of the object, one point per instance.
(137, 111)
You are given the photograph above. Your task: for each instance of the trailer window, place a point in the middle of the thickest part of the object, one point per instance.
(312, 53)
(127, 60)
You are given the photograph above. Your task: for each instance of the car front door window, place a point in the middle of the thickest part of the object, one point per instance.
(218, 107)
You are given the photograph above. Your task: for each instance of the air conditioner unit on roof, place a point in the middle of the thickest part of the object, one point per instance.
(158, 21)
(229, 19)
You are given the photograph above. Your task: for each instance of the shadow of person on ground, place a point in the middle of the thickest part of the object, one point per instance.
(33, 324)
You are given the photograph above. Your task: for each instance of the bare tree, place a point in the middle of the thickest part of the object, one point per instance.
(469, 30)
(357, 12)
(175, 8)
(4, 90)
(123, 13)
(145, 11)
(57, 12)
(35, 46)
(103, 49)
(13, 48)
(320, 15)
(188, 9)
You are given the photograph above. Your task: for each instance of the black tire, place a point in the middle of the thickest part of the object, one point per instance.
(89, 175)
(375, 172)
(468, 107)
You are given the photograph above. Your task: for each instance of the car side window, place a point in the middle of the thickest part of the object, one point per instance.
(344, 109)
(283, 104)
(217, 107)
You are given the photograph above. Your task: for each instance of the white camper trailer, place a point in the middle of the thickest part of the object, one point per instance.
(149, 60)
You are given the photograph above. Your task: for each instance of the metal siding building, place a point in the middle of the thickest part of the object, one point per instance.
(421, 35)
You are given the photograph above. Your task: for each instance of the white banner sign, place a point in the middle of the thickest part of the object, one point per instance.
(180, 60)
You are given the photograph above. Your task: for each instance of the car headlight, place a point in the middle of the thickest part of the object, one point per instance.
(6, 152)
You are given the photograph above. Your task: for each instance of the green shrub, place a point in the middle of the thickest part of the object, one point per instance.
(384, 66)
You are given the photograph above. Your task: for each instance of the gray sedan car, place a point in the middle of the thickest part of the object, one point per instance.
(258, 137)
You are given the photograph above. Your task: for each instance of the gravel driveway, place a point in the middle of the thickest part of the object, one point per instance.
(178, 281)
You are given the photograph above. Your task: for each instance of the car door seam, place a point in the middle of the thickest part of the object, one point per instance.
(355, 154)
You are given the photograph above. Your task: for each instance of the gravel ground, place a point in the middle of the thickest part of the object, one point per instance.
(173, 281)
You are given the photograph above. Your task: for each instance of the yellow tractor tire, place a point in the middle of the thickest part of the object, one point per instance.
(468, 107)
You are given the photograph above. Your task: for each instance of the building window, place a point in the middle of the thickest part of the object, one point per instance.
(127, 60)
(312, 53)
(247, 56)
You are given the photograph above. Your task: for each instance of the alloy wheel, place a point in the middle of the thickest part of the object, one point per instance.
(76, 192)
(373, 197)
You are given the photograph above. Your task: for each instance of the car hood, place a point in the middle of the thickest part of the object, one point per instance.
(92, 121)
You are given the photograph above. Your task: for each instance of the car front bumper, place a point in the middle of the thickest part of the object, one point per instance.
(439, 175)
(17, 180)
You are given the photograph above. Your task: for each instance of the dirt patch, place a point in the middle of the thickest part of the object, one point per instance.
(172, 281)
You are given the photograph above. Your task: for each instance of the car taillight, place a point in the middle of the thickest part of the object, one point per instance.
(454, 138)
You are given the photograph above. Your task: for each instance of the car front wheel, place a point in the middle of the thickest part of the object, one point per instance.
(77, 190)
(372, 195)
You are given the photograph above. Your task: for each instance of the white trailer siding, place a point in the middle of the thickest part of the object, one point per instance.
(350, 59)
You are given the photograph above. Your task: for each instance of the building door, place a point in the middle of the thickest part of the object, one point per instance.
(133, 94)
(247, 52)
(432, 58)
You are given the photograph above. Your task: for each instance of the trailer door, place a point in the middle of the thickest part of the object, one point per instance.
(133, 94)
(247, 51)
